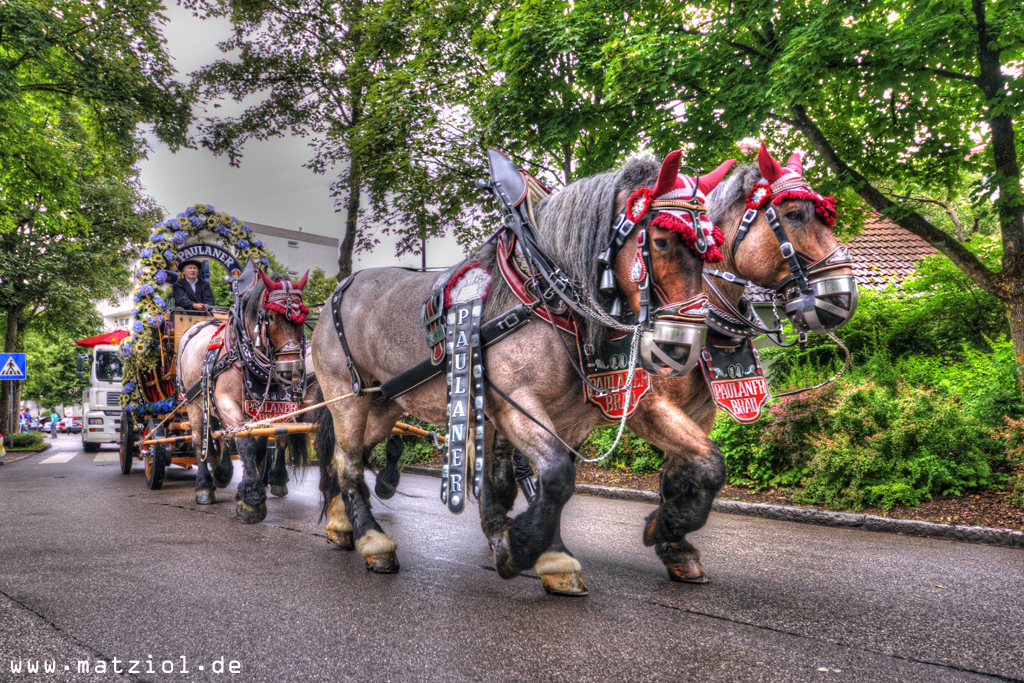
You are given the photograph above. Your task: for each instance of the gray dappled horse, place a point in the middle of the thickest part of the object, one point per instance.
(680, 413)
(381, 311)
(265, 334)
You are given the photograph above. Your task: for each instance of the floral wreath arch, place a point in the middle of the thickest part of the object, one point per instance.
(140, 353)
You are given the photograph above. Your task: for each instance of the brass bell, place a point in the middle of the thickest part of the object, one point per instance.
(616, 310)
(607, 285)
(605, 258)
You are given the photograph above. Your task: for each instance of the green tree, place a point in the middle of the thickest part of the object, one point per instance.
(888, 91)
(76, 79)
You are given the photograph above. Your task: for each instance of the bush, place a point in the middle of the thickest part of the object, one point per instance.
(632, 453)
(1013, 435)
(895, 446)
(26, 441)
(417, 449)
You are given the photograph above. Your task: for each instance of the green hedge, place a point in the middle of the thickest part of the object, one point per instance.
(25, 441)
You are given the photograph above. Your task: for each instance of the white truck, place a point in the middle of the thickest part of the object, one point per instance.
(101, 398)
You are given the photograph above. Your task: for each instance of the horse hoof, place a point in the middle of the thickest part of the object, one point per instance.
(383, 563)
(279, 490)
(205, 498)
(217, 482)
(567, 583)
(688, 571)
(342, 539)
(384, 489)
(250, 514)
(503, 559)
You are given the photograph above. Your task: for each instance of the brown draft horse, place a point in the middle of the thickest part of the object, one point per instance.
(680, 413)
(381, 309)
(265, 336)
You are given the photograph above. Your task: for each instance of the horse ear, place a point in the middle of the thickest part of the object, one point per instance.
(669, 173)
(794, 164)
(708, 182)
(267, 282)
(770, 169)
(302, 281)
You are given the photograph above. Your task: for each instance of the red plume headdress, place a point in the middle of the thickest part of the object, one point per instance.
(677, 199)
(285, 297)
(787, 182)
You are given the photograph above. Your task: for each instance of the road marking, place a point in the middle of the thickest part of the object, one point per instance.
(59, 458)
(107, 457)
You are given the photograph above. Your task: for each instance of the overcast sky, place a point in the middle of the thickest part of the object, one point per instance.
(270, 187)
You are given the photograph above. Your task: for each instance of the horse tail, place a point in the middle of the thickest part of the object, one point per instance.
(330, 485)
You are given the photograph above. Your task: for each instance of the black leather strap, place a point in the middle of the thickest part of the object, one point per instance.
(491, 332)
(357, 381)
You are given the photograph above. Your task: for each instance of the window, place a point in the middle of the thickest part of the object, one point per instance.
(293, 243)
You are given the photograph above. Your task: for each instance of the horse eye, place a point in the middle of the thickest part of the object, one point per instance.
(795, 216)
(661, 243)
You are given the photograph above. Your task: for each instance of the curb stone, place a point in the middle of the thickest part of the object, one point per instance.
(1006, 538)
(21, 455)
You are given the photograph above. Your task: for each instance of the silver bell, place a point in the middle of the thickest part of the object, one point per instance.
(605, 258)
(616, 310)
(607, 285)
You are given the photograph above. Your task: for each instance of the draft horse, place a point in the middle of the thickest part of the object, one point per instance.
(232, 371)
(532, 394)
(777, 232)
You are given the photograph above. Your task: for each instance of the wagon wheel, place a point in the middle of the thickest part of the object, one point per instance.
(156, 460)
(127, 442)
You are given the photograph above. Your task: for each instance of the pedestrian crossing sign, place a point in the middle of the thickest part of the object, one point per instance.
(12, 366)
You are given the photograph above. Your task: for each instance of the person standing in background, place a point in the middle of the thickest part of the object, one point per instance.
(54, 419)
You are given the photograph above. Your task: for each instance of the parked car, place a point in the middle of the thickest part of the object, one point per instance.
(41, 423)
(72, 425)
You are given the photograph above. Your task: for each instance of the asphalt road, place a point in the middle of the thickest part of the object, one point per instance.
(95, 568)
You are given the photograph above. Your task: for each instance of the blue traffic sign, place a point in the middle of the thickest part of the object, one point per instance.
(12, 366)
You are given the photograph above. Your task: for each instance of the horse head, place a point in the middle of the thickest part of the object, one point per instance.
(781, 238)
(284, 313)
(662, 260)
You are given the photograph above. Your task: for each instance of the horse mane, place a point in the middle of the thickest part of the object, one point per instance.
(573, 228)
(733, 189)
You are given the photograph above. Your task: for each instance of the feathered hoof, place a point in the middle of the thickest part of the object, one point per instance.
(217, 481)
(342, 539)
(384, 489)
(566, 583)
(279, 490)
(205, 497)
(383, 563)
(688, 571)
(250, 514)
(652, 532)
(503, 559)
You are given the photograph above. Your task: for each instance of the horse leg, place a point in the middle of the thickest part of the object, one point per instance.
(278, 478)
(251, 497)
(498, 492)
(351, 524)
(224, 470)
(692, 475)
(387, 478)
(534, 534)
(204, 485)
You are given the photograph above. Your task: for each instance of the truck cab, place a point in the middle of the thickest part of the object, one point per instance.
(101, 398)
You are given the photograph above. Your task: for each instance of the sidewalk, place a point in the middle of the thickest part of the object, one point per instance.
(911, 527)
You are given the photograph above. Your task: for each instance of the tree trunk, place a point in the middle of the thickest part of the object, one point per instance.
(1015, 313)
(351, 222)
(6, 386)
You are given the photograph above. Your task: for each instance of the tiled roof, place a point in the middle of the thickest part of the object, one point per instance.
(883, 252)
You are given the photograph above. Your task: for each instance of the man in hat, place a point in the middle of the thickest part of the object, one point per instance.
(190, 291)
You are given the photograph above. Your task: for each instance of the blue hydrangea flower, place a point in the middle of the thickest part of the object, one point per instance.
(222, 230)
(198, 222)
(183, 214)
(210, 209)
(241, 244)
(247, 229)
(138, 326)
(161, 276)
(147, 289)
(158, 301)
(190, 210)
(179, 237)
(258, 244)
(168, 255)
(126, 351)
(129, 387)
(265, 262)
(155, 238)
(146, 253)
